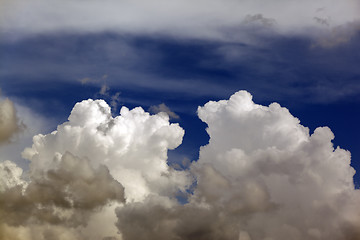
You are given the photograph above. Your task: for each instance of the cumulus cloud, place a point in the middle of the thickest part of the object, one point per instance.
(78, 173)
(9, 122)
(261, 176)
(54, 200)
(63, 194)
(132, 145)
(199, 19)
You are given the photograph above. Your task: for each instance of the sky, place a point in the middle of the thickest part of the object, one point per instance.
(179, 120)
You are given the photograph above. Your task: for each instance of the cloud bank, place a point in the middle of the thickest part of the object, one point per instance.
(261, 176)
(195, 19)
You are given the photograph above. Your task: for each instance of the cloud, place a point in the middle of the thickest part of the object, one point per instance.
(165, 109)
(54, 203)
(104, 90)
(132, 145)
(9, 122)
(10, 175)
(338, 35)
(262, 176)
(115, 100)
(35, 123)
(61, 195)
(259, 18)
(78, 171)
(105, 93)
(194, 19)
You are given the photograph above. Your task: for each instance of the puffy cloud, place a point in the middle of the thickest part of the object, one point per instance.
(133, 146)
(265, 162)
(9, 123)
(10, 175)
(62, 194)
(56, 202)
(77, 173)
(199, 19)
(262, 176)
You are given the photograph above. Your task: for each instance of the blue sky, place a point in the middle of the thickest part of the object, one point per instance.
(181, 54)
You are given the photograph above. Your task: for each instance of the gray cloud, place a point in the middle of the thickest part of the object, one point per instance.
(259, 18)
(64, 195)
(9, 122)
(163, 108)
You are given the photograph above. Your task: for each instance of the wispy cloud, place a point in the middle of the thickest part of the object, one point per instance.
(163, 108)
(280, 68)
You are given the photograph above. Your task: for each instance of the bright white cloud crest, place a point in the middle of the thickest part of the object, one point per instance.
(133, 146)
(262, 176)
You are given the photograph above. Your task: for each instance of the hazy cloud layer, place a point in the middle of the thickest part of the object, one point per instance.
(261, 176)
(196, 19)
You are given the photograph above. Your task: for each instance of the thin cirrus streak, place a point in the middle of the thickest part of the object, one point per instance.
(261, 176)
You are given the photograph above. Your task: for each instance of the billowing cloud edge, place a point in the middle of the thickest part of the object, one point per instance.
(262, 176)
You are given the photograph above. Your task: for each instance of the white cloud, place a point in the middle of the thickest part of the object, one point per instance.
(198, 19)
(133, 146)
(262, 176)
(69, 182)
(263, 162)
